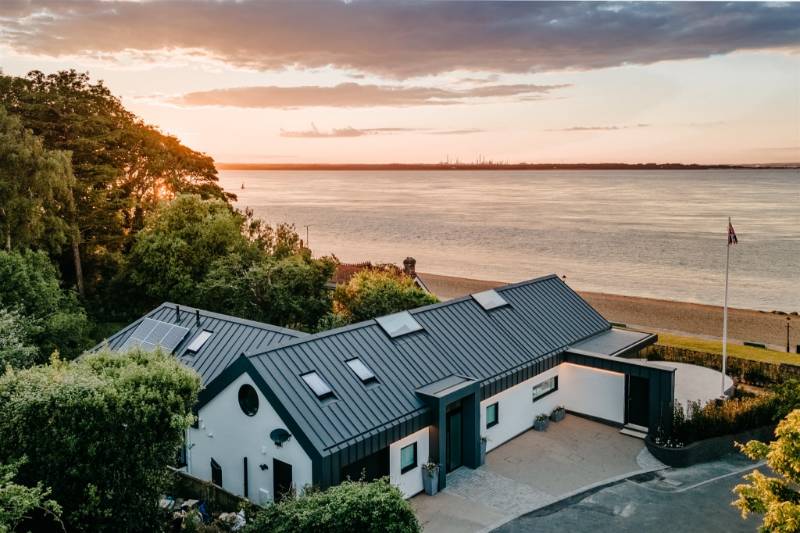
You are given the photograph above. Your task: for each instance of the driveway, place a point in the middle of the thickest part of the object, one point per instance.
(691, 499)
(531, 471)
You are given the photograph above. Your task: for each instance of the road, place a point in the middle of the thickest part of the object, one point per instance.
(694, 499)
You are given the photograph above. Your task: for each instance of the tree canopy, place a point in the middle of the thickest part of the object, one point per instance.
(776, 497)
(100, 432)
(376, 292)
(18, 502)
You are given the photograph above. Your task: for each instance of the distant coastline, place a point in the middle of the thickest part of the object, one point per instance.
(497, 166)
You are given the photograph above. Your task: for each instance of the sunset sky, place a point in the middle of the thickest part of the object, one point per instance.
(420, 82)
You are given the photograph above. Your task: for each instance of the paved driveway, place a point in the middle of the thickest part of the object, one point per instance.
(531, 471)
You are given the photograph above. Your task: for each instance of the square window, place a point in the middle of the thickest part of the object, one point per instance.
(408, 458)
(492, 414)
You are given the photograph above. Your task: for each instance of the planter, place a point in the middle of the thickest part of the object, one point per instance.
(541, 425)
(558, 414)
(483, 451)
(707, 449)
(430, 480)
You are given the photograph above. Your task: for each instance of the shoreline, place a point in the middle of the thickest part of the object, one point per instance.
(512, 166)
(655, 314)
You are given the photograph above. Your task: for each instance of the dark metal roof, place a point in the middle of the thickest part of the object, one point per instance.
(230, 337)
(458, 338)
(615, 342)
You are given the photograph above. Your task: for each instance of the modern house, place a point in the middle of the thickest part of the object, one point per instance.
(385, 396)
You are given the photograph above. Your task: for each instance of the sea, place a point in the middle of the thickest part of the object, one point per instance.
(651, 233)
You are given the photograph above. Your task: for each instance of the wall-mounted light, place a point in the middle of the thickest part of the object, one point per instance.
(279, 436)
(263, 467)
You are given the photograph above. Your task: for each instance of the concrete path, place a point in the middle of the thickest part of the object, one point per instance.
(532, 471)
(691, 499)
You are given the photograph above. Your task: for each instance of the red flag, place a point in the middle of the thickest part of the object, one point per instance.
(731, 235)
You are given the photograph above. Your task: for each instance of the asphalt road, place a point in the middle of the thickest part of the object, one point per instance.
(694, 499)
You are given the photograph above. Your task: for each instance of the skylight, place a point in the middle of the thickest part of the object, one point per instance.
(361, 370)
(198, 341)
(320, 388)
(399, 324)
(489, 299)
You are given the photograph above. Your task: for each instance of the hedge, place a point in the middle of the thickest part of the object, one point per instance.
(757, 373)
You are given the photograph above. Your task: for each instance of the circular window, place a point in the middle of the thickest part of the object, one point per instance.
(248, 400)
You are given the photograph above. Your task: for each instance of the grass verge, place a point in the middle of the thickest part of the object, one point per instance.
(734, 350)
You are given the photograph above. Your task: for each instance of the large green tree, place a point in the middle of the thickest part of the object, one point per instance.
(122, 166)
(53, 317)
(16, 350)
(376, 292)
(19, 503)
(99, 432)
(775, 497)
(35, 189)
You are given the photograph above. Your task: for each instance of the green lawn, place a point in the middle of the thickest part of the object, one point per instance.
(734, 350)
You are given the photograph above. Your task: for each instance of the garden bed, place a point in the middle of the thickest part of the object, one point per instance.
(707, 449)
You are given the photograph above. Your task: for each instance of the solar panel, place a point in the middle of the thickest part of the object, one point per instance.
(150, 334)
(489, 299)
(399, 324)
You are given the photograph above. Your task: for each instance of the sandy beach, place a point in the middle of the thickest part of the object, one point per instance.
(657, 315)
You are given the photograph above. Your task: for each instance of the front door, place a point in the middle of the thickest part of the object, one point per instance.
(281, 479)
(454, 439)
(638, 401)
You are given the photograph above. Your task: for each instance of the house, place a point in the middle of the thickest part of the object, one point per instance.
(385, 396)
(345, 271)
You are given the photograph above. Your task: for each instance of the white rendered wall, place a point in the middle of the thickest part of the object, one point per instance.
(409, 483)
(516, 409)
(592, 391)
(228, 435)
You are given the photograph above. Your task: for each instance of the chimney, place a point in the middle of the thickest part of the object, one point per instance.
(197, 317)
(178, 312)
(410, 266)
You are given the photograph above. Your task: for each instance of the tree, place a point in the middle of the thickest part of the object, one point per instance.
(35, 189)
(376, 292)
(122, 166)
(14, 348)
(775, 497)
(18, 502)
(55, 320)
(100, 432)
(376, 506)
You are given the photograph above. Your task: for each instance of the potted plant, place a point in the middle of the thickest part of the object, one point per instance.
(558, 413)
(484, 440)
(430, 478)
(540, 423)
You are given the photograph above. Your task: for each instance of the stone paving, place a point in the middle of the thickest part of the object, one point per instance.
(531, 471)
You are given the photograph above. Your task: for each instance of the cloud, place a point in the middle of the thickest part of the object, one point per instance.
(348, 131)
(601, 128)
(402, 39)
(354, 95)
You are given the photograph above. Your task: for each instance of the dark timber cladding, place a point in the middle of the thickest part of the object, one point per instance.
(496, 349)
(229, 337)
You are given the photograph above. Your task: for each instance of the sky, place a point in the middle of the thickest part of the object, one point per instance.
(381, 81)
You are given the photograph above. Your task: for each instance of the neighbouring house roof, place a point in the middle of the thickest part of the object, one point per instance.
(460, 337)
(229, 337)
(345, 271)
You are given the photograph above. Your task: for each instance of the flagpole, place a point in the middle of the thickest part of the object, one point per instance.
(725, 313)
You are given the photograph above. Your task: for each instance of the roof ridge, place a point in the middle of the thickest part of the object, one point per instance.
(373, 321)
(230, 318)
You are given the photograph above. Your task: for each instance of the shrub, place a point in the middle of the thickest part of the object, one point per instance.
(377, 292)
(18, 502)
(739, 414)
(375, 506)
(100, 432)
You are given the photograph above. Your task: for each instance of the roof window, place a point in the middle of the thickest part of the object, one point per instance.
(489, 299)
(362, 371)
(198, 341)
(318, 385)
(399, 324)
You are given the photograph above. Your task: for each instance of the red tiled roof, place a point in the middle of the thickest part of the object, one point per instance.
(345, 271)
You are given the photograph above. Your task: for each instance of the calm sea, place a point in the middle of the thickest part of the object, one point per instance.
(643, 233)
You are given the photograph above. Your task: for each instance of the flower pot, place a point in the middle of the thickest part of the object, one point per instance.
(540, 425)
(483, 452)
(558, 415)
(430, 481)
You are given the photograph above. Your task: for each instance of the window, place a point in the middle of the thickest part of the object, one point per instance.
(544, 388)
(492, 414)
(216, 473)
(398, 324)
(320, 388)
(198, 341)
(361, 370)
(408, 458)
(489, 299)
(248, 399)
